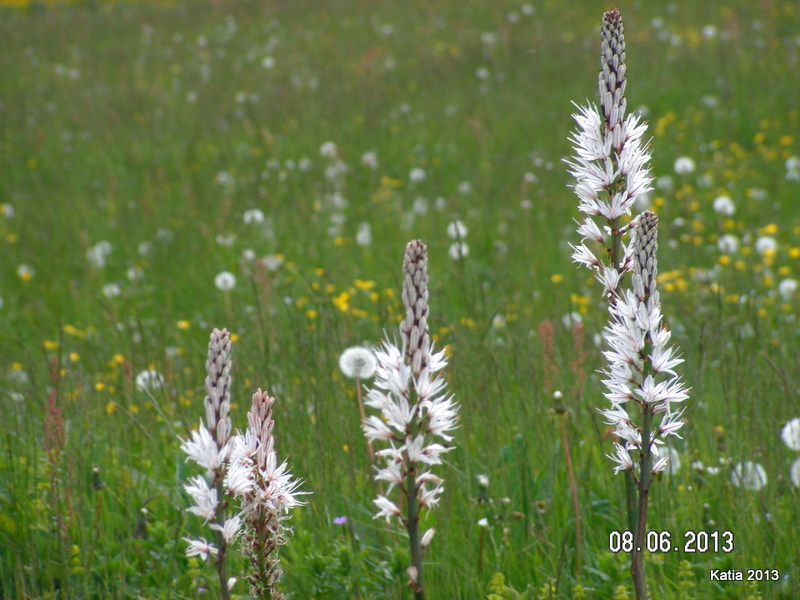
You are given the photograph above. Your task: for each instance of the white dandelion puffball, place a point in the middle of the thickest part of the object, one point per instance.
(728, 244)
(458, 250)
(272, 262)
(111, 290)
(790, 434)
(749, 475)
(794, 473)
(370, 160)
(364, 235)
(456, 230)
(25, 272)
(328, 150)
(723, 205)
(787, 288)
(674, 464)
(417, 175)
(766, 244)
(225, 281)
(684, 165)
(149, 381)
(358, 363)
(253, 216)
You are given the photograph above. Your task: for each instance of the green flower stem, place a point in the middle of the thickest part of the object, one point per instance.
(645, 477)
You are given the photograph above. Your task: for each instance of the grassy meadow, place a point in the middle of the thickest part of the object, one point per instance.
(146, 148)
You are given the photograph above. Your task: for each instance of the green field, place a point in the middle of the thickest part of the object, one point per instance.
(137, 141)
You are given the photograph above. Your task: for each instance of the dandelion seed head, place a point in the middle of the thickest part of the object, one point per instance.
(328, 150)
(723, 205)
(684, 165)
(253, 216)
(225, 281)
(417, 175)
(794, 473)
(149, 381)
(749, 475)
(790, 434)
(370, 160)
(272, 262)
(25, 272)
(111, 290)
(364, 235)
(728, 244)
(358, 363)
(766, 245)
(787, 288)
(458, 250)
(456, 230)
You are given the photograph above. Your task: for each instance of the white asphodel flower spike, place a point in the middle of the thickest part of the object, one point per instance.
(409, 392)
(267, 491)
(209, 446)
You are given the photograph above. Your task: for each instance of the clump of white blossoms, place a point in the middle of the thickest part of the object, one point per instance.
(409, 392)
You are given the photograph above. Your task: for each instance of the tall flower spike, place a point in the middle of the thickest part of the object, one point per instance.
(209, 447)
(267, 492)
(609, 166)
(410, 394)
(218, 386)
(414, 327)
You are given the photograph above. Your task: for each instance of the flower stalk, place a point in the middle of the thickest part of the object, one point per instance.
(209, 447)
(267, 493)
(410, 395)
(642, 386)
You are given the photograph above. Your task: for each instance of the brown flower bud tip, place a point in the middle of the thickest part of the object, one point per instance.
(414, 328)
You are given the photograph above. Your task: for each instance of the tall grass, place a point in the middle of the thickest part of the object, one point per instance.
(155, 127)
